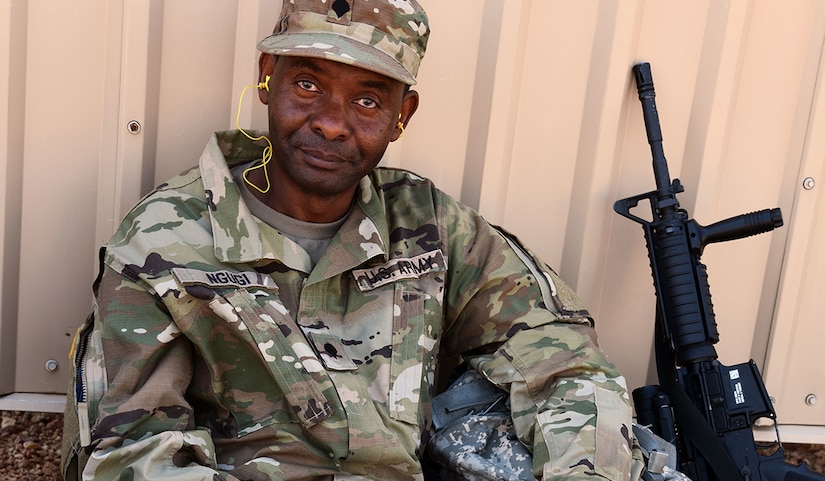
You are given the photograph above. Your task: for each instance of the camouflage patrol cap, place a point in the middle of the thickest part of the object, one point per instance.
(384, 36)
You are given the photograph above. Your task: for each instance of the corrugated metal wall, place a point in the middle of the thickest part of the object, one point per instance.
(529, 113)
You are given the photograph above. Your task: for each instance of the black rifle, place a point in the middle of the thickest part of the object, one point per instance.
(706, 409)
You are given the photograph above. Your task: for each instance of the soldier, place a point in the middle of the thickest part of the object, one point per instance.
(279, 311)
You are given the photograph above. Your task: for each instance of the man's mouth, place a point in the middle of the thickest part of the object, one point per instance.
(322, 158)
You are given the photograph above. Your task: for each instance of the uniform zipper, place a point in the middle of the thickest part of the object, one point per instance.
(81, 385)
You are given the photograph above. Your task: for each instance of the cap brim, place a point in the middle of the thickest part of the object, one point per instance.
(335, 47)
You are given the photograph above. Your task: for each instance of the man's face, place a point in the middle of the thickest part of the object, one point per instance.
(329, 123)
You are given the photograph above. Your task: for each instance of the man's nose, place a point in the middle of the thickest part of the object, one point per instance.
(330, 120)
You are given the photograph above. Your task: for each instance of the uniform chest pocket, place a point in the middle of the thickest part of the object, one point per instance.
(286, 383)
(416, 288)
(415, 334)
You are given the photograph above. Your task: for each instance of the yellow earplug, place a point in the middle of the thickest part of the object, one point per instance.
(267, 153)
(264, 84)
(400, 125)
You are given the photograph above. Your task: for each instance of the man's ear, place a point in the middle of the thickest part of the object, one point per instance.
(266, 65)
(409, 104)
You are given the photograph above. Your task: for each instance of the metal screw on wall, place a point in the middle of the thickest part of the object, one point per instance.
(810, 399)
(52, 365)
(808, 183)
(133, 126)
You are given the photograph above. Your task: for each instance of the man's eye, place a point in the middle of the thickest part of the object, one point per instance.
(307, 85)
(367, 103)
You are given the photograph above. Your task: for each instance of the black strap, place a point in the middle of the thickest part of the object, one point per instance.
(691, 421)
(101, 259)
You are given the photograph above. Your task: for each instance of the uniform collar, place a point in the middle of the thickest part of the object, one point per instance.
(239, 237)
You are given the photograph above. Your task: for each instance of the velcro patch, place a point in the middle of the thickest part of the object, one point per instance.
(402, 268)
(238, 280)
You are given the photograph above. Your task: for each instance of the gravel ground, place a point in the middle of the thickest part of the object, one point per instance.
(813, 454)
(30, 443)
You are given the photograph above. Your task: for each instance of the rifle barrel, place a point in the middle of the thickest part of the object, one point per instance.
(647, 95)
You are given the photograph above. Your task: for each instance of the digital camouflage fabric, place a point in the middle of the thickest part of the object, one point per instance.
(473, 436)
(217, 351)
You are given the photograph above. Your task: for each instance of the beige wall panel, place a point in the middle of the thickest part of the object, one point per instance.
(130, 104)
(749, 174)
(446, 123)
(796, 338)
(256, 19)
(60, 151)
(12, 114)
(196, 80)
(542, 163)
(489, 191)
(793, 371)
(110, 194)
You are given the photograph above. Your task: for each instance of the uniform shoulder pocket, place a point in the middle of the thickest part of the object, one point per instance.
(556, 293)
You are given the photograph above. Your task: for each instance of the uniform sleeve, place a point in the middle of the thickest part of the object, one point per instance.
(518, 324)
(568, 403)
(133, 368)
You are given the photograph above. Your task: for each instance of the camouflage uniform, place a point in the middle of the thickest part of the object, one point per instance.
(217, 351)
